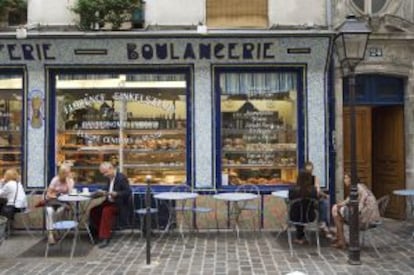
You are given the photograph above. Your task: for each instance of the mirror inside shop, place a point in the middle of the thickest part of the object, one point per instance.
(11, 91)
(135, 121)
(258, 128)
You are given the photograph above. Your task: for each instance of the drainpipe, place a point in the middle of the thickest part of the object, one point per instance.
(329, 14)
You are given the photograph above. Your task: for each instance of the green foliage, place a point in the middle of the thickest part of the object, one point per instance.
(93, 12)
(12, 4)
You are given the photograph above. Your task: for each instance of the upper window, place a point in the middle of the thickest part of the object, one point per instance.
(13, 12)
(237, 13)
(370, 6)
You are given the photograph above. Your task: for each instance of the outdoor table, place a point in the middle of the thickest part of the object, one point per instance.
(76, 200)
(282, 194)
(181, 197)
(409, 193)
(235, 210)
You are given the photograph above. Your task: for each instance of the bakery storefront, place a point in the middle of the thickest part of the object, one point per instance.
(210, 111)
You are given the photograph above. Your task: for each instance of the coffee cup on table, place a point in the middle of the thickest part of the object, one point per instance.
(74, 191)
(85, 190)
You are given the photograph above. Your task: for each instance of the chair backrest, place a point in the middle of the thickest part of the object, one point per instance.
(382, 204)
(303, 210)
(248, 188)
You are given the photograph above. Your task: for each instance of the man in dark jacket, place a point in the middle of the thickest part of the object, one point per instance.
(116, 203)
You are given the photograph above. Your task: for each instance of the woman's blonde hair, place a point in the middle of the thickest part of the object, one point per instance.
(64, 168)
(11, 174)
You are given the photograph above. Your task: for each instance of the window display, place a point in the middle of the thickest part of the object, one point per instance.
(11, 110)
(136, 121)
(258, 127)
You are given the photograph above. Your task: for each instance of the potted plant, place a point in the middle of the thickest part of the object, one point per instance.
(90, 13)
(115, 12)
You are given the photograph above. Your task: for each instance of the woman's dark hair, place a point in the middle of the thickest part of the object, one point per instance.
(305, 183)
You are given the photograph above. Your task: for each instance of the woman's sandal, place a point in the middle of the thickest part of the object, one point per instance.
(300, 241)
(339, 245)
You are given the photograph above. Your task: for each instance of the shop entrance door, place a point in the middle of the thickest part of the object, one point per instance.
(363, 144)
(388, 156)
(380, 151)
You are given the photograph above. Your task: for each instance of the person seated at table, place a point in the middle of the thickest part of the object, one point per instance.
(117, 202)
(367, 206)
(323, 202)
(12, 194)
(61, 184)
(304, 190)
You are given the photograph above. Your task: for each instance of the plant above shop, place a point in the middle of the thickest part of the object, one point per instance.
(8, 6)
(94, 14)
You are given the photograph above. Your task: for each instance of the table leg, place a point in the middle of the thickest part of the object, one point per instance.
(83, 221)
(236, 214)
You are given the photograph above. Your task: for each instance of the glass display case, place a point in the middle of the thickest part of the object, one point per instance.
(138, 123)
(258, 128)
(11, 110)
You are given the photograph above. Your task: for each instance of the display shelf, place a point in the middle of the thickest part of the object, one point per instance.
(264, 151)
(124, 131)
(258, 166)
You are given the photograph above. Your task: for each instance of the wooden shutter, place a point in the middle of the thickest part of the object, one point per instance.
(237, 13)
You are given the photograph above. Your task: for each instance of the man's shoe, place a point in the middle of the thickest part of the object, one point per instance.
(104, 243)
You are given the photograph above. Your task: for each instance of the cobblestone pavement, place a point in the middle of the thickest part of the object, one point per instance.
(212, 253)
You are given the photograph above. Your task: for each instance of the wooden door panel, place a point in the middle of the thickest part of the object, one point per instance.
(363, 143)
(388, 156)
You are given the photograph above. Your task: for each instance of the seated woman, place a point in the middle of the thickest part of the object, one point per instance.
(304, 190)
(13, 192)
(323, 202)
(367, 206)
(60, 184)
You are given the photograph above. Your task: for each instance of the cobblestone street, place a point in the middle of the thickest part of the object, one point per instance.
(212, 253)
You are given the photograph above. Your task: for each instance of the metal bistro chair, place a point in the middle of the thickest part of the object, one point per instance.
(141, 211)
(181, 206)
(24, 214)
(3, 225)
(375, 226)
(253, 205)
(66, 226)
(306, 215)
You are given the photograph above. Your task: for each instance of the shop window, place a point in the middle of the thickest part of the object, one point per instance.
(237, 13)
(137, 122)
(258, 127)
(11, 118)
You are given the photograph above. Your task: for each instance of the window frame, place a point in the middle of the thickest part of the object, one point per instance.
(301, 111)
(17, 70)
(186, 70)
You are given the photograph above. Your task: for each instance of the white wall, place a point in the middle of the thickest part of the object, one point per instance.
(297, 12)
(183, 12)
(50, 12)
(174, 12)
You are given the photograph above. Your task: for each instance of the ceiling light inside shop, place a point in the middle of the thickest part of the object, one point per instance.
(11, 83)
(115, 83)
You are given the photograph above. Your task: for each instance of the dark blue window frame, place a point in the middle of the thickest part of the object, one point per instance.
(186, 70)
(300, 69)
(368, 90)
(10, 71)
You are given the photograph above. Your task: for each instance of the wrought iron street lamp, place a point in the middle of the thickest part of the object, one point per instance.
(350, 44)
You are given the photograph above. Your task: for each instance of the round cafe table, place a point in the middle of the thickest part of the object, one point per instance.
(409, 194)
(76, 199)
(235, 210)
(180, 198)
